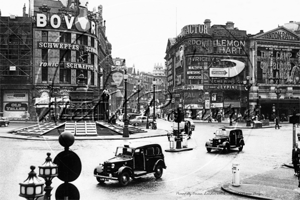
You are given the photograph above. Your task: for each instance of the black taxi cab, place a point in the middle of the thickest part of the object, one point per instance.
(132, 162)
(226, 140)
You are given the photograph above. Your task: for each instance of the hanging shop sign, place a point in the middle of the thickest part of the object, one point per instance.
(278, 64)
(280, 35)
(221, 87)
(71, 65)
(81, 21)
(236, 47)
(193, 29)
(61, 45)
(15, 106)
(229, 71)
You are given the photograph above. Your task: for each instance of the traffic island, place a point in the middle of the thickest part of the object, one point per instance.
(178, 150)
(181, 143)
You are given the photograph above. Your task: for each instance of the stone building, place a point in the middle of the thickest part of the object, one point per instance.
(57, 42)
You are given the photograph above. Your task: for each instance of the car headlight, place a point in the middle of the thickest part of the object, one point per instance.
(112, 165)
(219, 141)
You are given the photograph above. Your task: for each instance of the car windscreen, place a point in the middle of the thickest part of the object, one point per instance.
(221, 133)
(124, 151)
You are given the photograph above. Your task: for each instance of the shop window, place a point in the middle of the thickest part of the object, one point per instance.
(65, 37)
(92, 78)
(44, 73)
(80, 72)
(81, 57)
(65, 75)
(92, 42)
(45, 68)
(92, 58)
(81, 39)
(45, 55)
(65, 55)
(45, 36)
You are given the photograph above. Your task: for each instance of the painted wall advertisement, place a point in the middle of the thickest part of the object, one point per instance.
(15, 105)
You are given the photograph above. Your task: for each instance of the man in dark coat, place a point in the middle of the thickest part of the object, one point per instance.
(295, 158)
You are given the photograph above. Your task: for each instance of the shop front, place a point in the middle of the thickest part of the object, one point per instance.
(16, 104)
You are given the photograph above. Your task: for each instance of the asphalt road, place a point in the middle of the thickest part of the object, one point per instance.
(193, 174)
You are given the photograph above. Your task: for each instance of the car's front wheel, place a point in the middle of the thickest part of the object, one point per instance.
(241, 147)
(6, 124)
(158, 171)
(124, 178)
(208, 150)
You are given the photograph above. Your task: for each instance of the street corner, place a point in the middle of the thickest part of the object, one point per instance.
(258, 191)
(246, 190)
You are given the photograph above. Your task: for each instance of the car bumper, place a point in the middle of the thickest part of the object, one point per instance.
(105, 177)
(218, 147)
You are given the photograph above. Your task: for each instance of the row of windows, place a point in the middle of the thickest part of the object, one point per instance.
(66, 37)
(65, 75)
(65, 56)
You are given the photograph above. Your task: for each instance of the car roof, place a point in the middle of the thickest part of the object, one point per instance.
(141, 146)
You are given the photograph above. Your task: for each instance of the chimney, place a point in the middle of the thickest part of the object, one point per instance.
(207, 23)
(230, 25)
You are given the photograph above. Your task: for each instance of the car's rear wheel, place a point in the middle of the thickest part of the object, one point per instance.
(241, 147)
(124, 178)
(6, 124)
(208, 150)
(158, 171)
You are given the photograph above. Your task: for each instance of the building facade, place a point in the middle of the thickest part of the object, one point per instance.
(67, 41)
(206, 66)
(276, 60)
(16, 74)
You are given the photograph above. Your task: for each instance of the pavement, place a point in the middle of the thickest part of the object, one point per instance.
(279, 183)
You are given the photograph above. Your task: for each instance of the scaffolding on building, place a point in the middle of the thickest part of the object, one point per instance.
(16, 48)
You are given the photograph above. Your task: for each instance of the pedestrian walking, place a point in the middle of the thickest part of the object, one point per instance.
(277, 123)
(295, 159)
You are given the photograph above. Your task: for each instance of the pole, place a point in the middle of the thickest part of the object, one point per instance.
(248, 94)
(138, 103)
(125, 129)
(294, 135)
(55, 111)
(153, 102)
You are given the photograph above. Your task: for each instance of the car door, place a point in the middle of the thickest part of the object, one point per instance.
(150, 158)
(232, 137)
(139, 159)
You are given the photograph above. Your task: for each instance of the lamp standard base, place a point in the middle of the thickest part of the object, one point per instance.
(248, 123)
(125, 131)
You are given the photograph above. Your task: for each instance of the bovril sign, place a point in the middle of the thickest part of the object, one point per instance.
(81, 22)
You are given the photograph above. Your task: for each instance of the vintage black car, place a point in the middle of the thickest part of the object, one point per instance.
(4, 121)
(226, 140)
(132, 162)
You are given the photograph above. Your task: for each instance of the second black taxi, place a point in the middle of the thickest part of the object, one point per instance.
(225, 140)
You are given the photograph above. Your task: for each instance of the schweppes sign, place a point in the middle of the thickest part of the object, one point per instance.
(81, 21)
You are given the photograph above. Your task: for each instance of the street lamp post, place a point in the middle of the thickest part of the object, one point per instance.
(154, 116)
(32, 187)
(138, 100)
(125, 128)
(48, 170)
(277, 92)
(248, 85)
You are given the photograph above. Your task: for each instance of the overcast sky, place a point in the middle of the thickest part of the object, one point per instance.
(139, 29)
